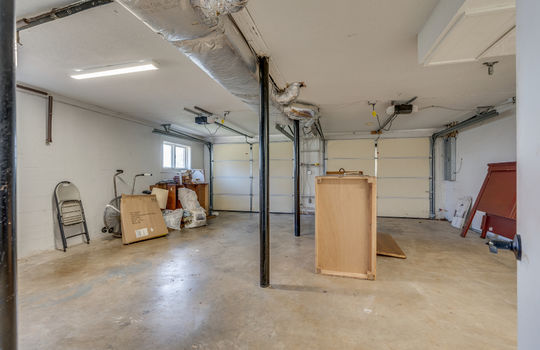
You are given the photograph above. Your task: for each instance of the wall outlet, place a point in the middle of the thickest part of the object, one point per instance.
(309, 172)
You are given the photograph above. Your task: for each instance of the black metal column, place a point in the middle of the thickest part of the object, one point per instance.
(297, 178)
(211, 179)
(8, 245)
(264, 199)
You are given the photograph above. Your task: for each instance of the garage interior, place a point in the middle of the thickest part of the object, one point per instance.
(283, 145)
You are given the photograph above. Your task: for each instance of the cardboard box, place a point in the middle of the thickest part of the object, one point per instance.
(141, 218)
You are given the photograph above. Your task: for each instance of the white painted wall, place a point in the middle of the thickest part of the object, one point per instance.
(528, 172)
(493, 141)
(87, 147)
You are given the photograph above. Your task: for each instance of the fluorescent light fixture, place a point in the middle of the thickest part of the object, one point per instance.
(118, 69)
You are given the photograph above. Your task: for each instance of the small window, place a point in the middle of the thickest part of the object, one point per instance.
(176, 156)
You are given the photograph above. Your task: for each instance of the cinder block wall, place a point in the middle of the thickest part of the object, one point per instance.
(87, 148)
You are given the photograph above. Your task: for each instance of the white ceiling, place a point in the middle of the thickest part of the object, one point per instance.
(347, 52)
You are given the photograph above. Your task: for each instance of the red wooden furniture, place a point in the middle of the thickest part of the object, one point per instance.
(497, 198)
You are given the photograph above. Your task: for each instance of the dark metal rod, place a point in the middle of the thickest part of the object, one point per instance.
(468, 122)
(191, 111)
(65, 11)
(297, 178)
(284, 132)
(179, 134)
(8, 207)
(203, 110)
(32, 90)
(211, 179)
(264, 199)
(233, 130)
(48, 139)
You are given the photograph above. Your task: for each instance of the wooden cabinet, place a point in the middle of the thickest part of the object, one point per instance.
(346, 226)
(201, 189)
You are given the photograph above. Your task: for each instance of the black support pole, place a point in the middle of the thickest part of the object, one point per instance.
(264, 199)
(8, 245)
(297, 178)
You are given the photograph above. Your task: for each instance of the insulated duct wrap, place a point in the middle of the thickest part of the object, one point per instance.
(201, 30)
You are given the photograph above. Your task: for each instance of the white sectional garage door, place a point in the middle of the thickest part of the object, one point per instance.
(403, 177)
(236, 177)
(351, 155)
(281, 177)
(232, 177)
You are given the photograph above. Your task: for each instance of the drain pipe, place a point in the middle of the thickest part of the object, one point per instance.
(8, 207)
(468, 122)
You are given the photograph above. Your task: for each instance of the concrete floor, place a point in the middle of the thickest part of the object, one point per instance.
(198, 289)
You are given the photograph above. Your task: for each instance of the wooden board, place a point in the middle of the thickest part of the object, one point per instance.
(346, 226)
(386, 246)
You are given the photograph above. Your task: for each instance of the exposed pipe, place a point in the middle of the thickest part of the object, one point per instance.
(480, 117)
(62, 12)
(203, 31)
(8, 207)
(297, 178)
(264, 194)
(284, 132)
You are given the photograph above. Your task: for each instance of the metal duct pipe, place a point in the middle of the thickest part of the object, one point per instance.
(468, 122)
(62, 12)
(297, 178)
(202, 31)
(264, 171)
(8, 207)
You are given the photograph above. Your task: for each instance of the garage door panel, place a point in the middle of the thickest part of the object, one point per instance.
(231, 202)
(278, 150)
(350, 149)
(403, 188)
(278, 204)
(231, 168)
(277, 186)
(412, 167)
(400, 207)
(281, 150)
(413, 147)
(231, 152)
(365, 165)
(231, 185)
(277, 168)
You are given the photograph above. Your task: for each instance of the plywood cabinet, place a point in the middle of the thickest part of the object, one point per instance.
(346, 226)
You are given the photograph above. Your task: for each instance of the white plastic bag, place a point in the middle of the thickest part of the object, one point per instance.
(195, 218)
(188, 198)
(173, 218)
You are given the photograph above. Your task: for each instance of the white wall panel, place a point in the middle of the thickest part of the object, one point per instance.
(87, 148)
